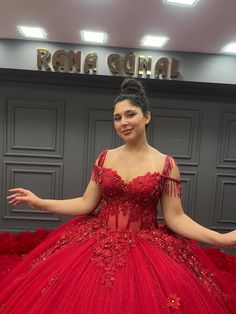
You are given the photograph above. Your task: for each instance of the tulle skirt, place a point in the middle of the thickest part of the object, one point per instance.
(87, 268)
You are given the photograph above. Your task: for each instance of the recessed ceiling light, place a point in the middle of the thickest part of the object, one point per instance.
(94, 37)
(154, 41)
(230, 48)
(183, 2)
(32, 32)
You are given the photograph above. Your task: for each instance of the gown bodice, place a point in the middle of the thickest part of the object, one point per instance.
(132, 205)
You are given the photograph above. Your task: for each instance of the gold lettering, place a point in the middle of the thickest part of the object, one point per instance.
(161, 68)
(144, 63)
(129, 63)
(74, 60)
(173, 68)
(58, 60)
(90, 62)
(114, 62)
(43, 57)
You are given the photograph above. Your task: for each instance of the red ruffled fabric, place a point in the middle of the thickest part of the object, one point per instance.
(13, 247)
(226, 264)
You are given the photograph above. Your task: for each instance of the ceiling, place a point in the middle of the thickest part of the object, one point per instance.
(205, 28)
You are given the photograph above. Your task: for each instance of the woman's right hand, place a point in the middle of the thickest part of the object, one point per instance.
(23, 196)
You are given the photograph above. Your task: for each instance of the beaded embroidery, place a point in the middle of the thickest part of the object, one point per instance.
(138, 200)
(111, 250)
(181, 251)
(127, 214)
(50, 283)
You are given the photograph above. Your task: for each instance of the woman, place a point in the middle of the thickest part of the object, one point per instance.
(121, 260)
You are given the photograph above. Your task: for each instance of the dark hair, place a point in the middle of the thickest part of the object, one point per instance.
(133, 90)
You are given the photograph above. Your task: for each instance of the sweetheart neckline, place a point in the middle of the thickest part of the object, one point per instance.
(159, 173)
(137, 177)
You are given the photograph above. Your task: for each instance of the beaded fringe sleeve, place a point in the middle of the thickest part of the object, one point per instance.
(95, 174)
(172, 187)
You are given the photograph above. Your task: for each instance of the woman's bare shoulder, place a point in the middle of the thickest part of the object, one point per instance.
(157, 154)
(115, 151)
(112, 155)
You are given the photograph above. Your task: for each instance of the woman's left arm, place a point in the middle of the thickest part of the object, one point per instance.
(183, 225)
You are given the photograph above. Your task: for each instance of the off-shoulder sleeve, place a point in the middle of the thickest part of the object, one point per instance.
(172, 187)
(171, 177)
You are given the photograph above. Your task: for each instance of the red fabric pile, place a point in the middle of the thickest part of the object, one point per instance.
(224, 262)
(13, 247)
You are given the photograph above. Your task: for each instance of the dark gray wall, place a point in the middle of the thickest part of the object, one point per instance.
(54, 125)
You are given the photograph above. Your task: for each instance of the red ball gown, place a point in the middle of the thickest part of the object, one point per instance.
(120, 260)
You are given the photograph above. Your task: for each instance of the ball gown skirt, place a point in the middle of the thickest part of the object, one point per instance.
(118, 260)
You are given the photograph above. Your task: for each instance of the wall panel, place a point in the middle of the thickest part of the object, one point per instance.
(54, 126)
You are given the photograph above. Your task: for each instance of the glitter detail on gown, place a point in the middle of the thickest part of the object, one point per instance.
(119, 260)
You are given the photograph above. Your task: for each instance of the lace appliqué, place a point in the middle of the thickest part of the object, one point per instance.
(73, 234)
(134, 203)
(181, 250)
(136, 200)
(110, 253)
(110, 248)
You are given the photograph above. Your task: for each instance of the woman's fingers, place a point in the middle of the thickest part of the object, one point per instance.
(21, 196)
(13, 195)
(13, 201)
(19, 190)
(17, 197)
(18, 200)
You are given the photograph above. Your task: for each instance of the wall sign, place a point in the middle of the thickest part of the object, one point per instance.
(130, 64)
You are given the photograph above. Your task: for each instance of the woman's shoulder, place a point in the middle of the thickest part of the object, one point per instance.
(114, 152)
(105, 155)
(169, 164)
(157, 154)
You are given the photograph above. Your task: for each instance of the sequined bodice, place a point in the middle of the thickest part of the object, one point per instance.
(132, 205)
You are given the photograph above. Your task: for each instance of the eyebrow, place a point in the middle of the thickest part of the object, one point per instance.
(128, 111)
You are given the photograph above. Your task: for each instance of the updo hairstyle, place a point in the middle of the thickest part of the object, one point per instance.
(133, 90)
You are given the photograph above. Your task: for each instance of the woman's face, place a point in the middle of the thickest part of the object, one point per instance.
(129, 120)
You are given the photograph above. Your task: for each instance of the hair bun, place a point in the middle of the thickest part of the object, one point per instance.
(133, 91)
(133, 87)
